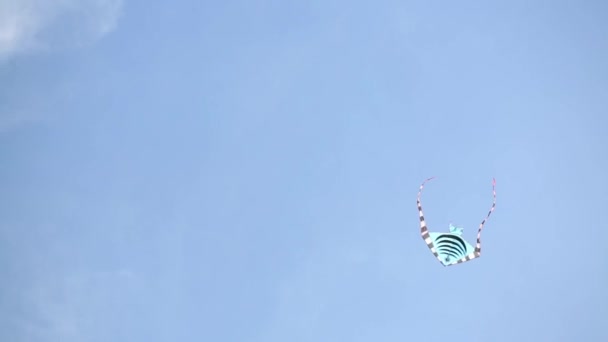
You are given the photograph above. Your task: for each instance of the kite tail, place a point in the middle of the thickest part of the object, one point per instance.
(478, 246)
(423, 228)
(424, 232)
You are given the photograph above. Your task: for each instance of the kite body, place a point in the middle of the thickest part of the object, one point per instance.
(450, 248)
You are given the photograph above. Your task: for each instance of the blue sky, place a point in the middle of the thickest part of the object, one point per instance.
(247, 170)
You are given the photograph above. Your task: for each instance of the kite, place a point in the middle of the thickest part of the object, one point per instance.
(450, 248)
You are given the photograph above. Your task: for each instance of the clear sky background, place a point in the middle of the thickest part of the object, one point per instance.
(247, 170)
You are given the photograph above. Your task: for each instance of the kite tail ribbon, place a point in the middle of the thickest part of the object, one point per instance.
(423, 228)
(478, 246)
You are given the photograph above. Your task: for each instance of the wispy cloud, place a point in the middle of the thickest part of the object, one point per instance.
(32, 25)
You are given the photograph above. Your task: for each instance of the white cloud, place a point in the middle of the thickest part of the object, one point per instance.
(31, 25)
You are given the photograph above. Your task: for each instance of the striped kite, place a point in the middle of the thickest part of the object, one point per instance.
(450, 248)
